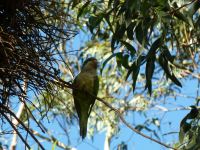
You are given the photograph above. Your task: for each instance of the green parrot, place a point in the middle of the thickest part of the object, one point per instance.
(85, 82)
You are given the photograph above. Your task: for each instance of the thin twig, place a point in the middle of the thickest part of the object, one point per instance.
(52, 139)
(16, 123)
(19, 113)
(15, 129)
(5, 109)
(130, 126)
(177, 9)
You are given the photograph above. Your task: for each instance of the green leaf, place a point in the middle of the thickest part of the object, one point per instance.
(135, 66)
(120, 30)
(109, 58)
(181, 134)
(184, 128)
(164, 64)
(139, 33)
(130, 31)
(134, 76)
(54, 145)
(168, 55)
(81, 10)
(156, 44)
(135, 71)
(113, 41)
(193, 113)
(195, 6)
(174, 79)
(94, 21)
(139, 127)
(75, 3)
(122, 60)
(183, 17)
(192, 143)
(150, 66)
(119, 59)
(129, 47)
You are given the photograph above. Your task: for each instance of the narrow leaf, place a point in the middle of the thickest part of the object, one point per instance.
(125, 61)
(120, 30)
(150, 66)
(164, 64)
(175, 80)
(128, 73)
(129, 47)
(109, 58)
(156, 44)
(139, 33)
(136, 68)
(94, 21)
(81, 10)
(168, 55)
(130, 31)
(119, 59)
(113, 41)
(195, 6)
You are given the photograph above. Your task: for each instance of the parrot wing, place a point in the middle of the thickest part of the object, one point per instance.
(75, 94)
(95, 92)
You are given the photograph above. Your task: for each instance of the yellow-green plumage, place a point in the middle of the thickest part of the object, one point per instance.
(85, 90)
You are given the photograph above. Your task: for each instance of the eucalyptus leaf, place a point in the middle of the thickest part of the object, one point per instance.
(129, 47)
(164, 64)
(109, 58)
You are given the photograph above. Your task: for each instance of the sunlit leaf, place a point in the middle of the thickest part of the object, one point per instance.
(81, 10)
(195, 6)
(75, 2)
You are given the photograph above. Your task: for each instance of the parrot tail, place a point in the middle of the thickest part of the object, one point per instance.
(83, 126)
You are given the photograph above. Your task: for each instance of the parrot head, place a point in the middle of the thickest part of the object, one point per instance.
(90, 64)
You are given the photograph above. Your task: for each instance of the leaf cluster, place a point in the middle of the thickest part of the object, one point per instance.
(144, 32)
(189, 130)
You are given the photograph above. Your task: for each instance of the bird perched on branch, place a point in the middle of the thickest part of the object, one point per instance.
(86, 86)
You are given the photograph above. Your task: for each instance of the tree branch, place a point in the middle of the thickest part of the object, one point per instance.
(177, 9)
(16, 123)
(51, 139)
(6, 109)
(19, 113)
(15, 129)
(130, 126)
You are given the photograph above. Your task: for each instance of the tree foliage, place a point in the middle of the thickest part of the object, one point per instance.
(30, 34)
(145, 36)
(148, 50)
